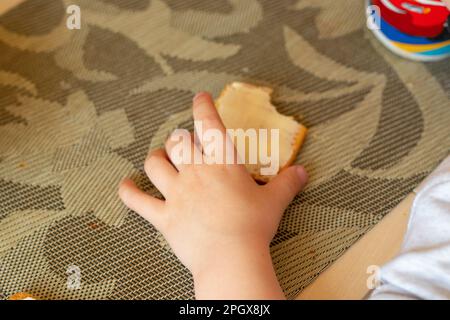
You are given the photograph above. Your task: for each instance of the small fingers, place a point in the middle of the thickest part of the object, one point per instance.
(211, 131)
(145, 205)
(160, 171)
(181, 150)
(287, 184)
(205, 112)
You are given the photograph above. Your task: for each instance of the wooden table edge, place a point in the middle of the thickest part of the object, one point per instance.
(347, 277)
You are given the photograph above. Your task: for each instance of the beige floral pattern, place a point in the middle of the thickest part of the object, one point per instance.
(80, 109)
(74, 150)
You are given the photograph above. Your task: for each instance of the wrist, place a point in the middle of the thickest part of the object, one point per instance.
(232, 253)
(241, 271)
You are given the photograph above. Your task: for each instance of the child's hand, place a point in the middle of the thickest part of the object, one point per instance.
(216, 218)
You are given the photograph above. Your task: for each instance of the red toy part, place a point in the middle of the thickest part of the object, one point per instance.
(424, 18)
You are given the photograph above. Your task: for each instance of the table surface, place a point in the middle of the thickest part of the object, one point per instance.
(347, 277)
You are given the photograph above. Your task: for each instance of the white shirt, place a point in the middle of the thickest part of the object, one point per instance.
(422, 268)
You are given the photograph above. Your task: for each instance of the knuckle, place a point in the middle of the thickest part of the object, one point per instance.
(209, 119)
(168, 144)
(150, 161)
(123, 192)
(290, 184)
(175, 137)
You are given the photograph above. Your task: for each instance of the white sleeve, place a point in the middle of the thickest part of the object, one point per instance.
(422, 268)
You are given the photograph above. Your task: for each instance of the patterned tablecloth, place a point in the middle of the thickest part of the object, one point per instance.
(79, 110)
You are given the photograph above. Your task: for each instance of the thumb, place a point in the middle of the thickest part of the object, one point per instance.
(287, 184)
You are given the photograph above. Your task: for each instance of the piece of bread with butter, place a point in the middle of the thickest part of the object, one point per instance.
(246, 106)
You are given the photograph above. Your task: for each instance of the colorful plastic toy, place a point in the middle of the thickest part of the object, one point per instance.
(415, 29)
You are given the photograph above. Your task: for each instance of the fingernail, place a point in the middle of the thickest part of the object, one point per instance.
(200, 95)
(124, 180)
(120, 189)
(303, 175)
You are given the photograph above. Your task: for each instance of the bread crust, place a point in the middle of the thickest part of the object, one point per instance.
(296, 143)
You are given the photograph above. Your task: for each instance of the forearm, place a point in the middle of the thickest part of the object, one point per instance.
(245, 272)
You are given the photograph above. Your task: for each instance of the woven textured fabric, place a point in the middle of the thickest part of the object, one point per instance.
(80, 109)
